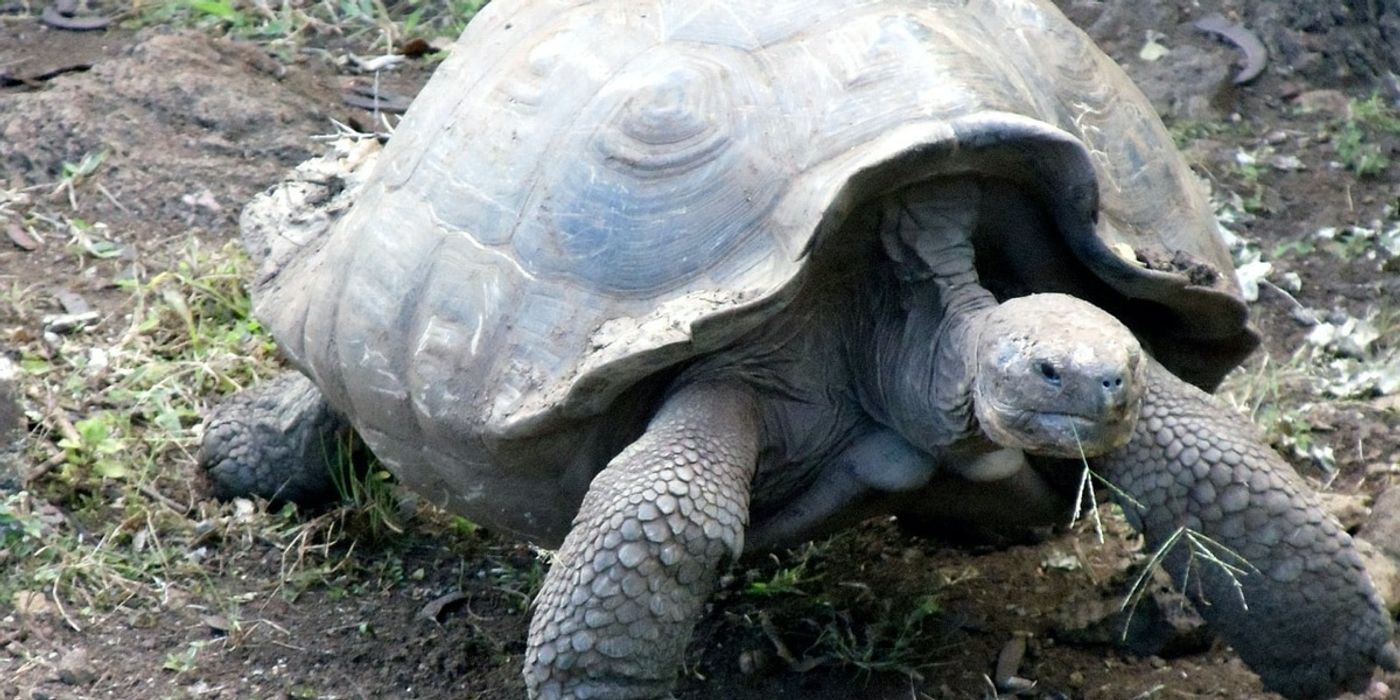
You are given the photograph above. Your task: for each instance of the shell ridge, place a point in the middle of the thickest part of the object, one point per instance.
(462, 47)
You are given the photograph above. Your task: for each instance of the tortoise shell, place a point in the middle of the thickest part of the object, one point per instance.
(589, 194)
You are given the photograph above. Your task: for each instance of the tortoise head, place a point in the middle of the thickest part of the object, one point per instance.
(1057, 376)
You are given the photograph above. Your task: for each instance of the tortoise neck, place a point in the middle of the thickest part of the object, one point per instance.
(926, 231)
(916, 361)
(927, 307)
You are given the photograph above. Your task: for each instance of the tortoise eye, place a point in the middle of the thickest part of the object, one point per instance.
(1049, 372)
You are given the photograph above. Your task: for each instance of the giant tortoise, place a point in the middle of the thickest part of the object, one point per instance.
(651, 281)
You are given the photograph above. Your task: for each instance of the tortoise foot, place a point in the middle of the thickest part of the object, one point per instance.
(278, 440)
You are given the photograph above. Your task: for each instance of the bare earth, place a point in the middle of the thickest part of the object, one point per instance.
(163, 593)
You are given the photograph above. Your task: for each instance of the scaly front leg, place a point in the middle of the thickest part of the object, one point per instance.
(619, 604)
(1314, 625)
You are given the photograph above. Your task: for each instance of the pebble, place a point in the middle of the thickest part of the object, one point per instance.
(63, 324)
(752, 661)
(32, 604)
(1333, 102)
(1376, 469)
(1350, 509)
(75, 668)
(1009, 662)
(1383, 527)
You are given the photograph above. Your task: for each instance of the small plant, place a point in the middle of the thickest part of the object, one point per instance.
(1087, 479)
(220, 11)
(183, 661)
(91, 239)
(1247, 169)
(811, 618)
(20, 528)
(73, 174)
(464, 527)
(519, 573)
(1359, 153)
(1185, 132)
(1376, 112)
(1202, 548)
(1358, 137)
(1260, 391)
(894, 642)
(459, 12)
(120, 411)
(784, 581)
(368, 494)
(96, 445)
(1299, 248)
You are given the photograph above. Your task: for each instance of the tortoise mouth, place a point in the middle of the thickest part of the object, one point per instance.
(1057, 433)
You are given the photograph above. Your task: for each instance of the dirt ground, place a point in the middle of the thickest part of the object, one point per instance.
(126, 154)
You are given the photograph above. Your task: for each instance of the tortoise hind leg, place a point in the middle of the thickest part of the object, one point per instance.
(645, 551)
(277, 440)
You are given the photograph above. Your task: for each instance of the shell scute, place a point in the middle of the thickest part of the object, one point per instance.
(669, 176)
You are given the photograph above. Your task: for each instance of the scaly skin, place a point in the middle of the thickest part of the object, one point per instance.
(625, 590)
(1314, 626)
(275, 440)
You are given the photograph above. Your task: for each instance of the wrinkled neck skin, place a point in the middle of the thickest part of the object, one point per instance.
(917, 371)
(914, 354)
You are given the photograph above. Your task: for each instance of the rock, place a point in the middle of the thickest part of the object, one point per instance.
(1328, 101)
(1378, 543)
(64, 324)
(1188, 83)
(1379, 469)
(75, 668)
(1163, 623)
(1350, 509)
(1385, 573)
(1289, 89)
(1383, 527)
(32, 604)
(753, 661)
(1008, 664)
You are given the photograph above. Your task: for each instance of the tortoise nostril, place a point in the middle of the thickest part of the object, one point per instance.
(1113, 383)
